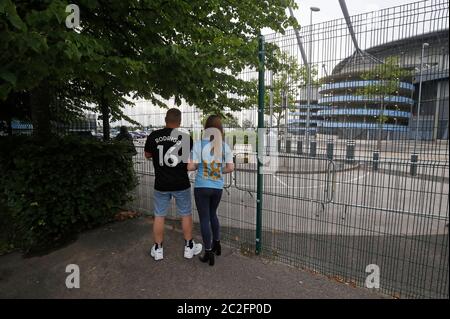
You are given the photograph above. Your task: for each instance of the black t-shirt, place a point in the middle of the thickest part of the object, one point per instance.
(170, 149)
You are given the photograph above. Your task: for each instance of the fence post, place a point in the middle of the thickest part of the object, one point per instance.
(260, 145)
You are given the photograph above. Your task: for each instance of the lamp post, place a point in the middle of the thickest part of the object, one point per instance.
(271, 99)
(284, 106)
(308, 91)
(424, 45)
(269, 129)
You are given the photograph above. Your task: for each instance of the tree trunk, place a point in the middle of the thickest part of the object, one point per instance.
(40, 111)
(5, 114)
(105, 117)
(278, 119)
(380, 126)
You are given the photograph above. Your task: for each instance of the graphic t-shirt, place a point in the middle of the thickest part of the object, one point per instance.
(210, 165)
(170, 149)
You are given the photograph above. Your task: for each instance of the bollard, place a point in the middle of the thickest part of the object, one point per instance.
(350, 152)
(299, 147)
(246, 149)
(234, 141)
(313, 149)
(375, 163)
(414, 160)
(288, 146)
(279, 145)
(330, 149)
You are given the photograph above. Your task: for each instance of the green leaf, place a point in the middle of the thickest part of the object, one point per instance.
(9, 9)
(4, 91)
(8, 76)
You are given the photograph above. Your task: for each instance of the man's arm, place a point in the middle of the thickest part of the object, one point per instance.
(148, 147)
(194, 157)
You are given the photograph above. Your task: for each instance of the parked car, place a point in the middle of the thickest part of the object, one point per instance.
(137, 135)
(113, 133)
(133, 135)
(141, 134)
(82, 134)
(98, 135)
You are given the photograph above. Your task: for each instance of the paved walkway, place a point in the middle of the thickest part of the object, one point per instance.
(114, 263)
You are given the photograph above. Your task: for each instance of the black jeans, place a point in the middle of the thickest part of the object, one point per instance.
(207, 201)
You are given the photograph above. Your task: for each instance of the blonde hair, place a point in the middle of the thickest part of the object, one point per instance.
(215, 122)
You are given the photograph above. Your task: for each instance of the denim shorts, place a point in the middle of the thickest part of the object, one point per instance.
(161, 202)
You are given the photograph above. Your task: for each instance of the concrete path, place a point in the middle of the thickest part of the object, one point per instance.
(114, 263)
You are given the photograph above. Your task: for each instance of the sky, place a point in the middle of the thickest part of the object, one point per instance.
(330, 9)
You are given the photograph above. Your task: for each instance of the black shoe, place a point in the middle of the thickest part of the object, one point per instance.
(208, 257)
(216, 248)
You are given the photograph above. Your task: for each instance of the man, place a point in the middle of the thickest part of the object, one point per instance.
(125, 136)
(170, 148)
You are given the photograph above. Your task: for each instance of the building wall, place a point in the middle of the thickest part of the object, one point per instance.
(433, 119)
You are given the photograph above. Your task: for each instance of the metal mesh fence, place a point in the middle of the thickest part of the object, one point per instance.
(362, 159)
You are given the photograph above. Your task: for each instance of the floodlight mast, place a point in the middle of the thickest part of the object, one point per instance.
(349, 24)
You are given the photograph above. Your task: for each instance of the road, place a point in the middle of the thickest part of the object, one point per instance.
(390, 198)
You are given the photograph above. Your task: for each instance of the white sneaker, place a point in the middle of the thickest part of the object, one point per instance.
(191, 252)
(157, 254)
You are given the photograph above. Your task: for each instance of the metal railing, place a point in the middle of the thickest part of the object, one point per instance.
(365, 212)
(349, 195)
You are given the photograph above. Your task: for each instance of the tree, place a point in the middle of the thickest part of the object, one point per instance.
(39, 60)
(286, 83)
(191, 50)
(386, 78)
(247, 124)
(230, 121)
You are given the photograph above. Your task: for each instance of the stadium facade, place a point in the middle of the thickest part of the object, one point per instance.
(339, 105)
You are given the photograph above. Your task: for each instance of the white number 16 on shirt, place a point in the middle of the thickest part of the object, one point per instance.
(167, 159)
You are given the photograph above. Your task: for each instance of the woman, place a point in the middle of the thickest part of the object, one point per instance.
(212, 157)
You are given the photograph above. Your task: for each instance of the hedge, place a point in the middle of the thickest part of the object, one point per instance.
(56, 189)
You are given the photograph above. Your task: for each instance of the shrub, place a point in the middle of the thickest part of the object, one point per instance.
(58, 188)
(8, 232)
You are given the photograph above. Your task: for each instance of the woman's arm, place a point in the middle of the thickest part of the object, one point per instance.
(191, 166)
(229, 167)
(229, 163)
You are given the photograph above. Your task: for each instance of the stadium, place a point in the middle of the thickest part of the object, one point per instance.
(341, 106)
